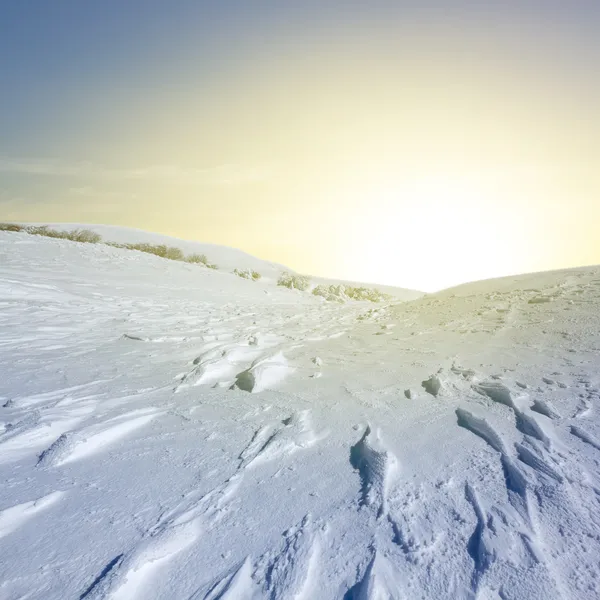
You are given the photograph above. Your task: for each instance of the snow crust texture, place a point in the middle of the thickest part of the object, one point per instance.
(170, 432)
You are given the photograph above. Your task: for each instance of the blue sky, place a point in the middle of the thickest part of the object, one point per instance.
(55, 54)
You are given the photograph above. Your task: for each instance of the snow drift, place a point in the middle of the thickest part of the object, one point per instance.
(168, 431)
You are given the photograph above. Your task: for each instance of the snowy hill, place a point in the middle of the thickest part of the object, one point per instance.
(227, 259)
(172, 432)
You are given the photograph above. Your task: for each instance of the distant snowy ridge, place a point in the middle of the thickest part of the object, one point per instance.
(224, 257)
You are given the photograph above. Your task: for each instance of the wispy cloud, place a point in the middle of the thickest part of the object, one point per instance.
(226, 174)
(87, 191)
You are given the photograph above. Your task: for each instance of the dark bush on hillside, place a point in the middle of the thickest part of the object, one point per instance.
(331, 293)
(173, 253)
(76, 235)
(42, 230)
(342, 293)
(364, 293)
(197, 259)
(149, 249)
(247, 274)
(294, 281)
(11, 227)
(90, 237)
(83, 235)
(169, 252)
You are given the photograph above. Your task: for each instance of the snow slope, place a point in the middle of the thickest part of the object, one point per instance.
(227, 259)
(168, 431)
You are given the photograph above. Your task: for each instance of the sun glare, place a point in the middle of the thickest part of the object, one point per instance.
(437, 231)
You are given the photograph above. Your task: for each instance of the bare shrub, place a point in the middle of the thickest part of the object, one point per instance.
(85, 236)
(247, 274)
(40, 230)
(11, 227)
(162, 250)
(197, 259)
(173, 253)
(294, 281)
(342, 293)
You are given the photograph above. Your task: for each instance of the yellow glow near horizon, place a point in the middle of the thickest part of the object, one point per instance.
(437, 230)
(422, 171)
(445, 232)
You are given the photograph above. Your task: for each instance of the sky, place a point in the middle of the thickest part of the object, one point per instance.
(419, 144)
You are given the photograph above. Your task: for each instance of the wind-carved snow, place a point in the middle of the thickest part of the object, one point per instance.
(380, 582)
(496, 391)
(86, 442)
(293, 572)
(293, 433)
(263, 374)
(237, 585)
(14, 517)
(169, 431)
(134, 573)
(377, 467)
(543, 453)
(586, 437)
(248, 366)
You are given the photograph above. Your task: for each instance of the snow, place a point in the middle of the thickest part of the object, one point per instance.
(227, 259)
(224, 257)
(169, 431)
